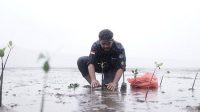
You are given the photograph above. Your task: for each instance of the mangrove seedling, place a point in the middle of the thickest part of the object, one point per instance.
(3, 65)
(135, 72)
(162, 78)
(158, 65)
(73, 86)
(46, 69)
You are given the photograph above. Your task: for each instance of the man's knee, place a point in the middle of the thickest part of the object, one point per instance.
(82, 63)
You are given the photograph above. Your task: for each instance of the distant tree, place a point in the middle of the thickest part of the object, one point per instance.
(3, 65)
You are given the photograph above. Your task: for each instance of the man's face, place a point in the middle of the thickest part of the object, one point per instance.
(106, 44)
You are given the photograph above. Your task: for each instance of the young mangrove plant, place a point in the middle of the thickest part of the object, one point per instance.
(163, 77)
(158, 65)
(73, 86)
(135, 72)
(3, 65)
(46, 69)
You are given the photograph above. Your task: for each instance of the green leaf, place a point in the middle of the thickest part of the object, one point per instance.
(46, 66)
(76, 85)
(136, 71)
(2, 52)
(10, 43)
(158, 64)
(70, 86)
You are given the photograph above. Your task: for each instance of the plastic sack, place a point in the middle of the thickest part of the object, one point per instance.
(144, 81)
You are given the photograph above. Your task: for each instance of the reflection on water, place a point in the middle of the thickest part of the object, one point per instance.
(101, 101)
(111, 101)
(139, 93)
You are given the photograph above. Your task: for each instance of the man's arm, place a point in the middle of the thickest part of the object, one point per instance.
(118, 75)
(94, 81)
(112, 86)
(121, 65)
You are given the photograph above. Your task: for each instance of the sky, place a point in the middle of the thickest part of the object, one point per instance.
(150, 30)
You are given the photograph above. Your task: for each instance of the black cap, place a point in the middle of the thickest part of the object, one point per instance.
(105, 34)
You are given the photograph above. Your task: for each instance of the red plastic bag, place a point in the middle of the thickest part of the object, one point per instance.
(144, 81)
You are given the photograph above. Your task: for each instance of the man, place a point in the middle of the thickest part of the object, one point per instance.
(107, 52)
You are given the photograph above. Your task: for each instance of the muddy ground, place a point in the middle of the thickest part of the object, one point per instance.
(22, 93)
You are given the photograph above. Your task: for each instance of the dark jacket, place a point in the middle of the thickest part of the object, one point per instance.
(115, 58)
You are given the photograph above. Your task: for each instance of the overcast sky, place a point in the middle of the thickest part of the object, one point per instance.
(150, 30)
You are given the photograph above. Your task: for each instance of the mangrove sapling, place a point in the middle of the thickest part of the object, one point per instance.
(194, 81)
(163, 77)
(46, 69)
(3, 65)
(157, 67)
(135, 72)
(73, 86)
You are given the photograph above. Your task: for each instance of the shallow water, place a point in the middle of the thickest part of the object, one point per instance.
(22, 92)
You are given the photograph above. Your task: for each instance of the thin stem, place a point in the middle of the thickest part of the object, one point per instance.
(2, 67)
(1, 78)
(161, 80)
(150, 83)
(135, 76)
(7, 58)
(43, 93)
(194, 81)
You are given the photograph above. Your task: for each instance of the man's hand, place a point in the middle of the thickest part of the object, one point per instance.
(95, 83)
(111, 86)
